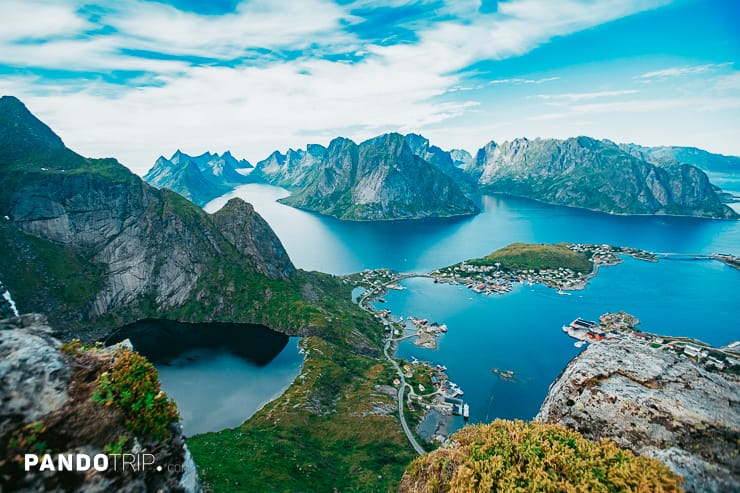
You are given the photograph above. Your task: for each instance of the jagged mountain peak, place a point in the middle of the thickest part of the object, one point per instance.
(199, 178)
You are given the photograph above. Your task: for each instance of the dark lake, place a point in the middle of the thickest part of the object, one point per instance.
(219, 373)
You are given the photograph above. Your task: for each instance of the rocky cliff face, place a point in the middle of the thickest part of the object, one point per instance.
(47, 408)
(253, 237)
(657, 404)
(460, 157)
(379, 179)
(88, 238)
(200, 179)
(593, 174)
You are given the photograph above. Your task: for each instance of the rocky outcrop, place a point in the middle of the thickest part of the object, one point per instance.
(594, 174)
(200, 179)
(253, 237)
(460, 157)
(379, 179)
(655, 403)
(47, 408)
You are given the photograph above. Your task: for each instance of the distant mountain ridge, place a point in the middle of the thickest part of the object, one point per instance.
(198, 178)
(707, 161)
(597, 175)
(379, 179)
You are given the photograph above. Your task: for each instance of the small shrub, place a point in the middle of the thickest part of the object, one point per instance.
(117, 447)
(28, 438)
(133, 385)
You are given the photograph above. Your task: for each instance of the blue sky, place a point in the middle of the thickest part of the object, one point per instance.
(135, 79)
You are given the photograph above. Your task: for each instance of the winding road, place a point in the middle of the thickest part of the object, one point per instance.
(361, 302)
(419, 449)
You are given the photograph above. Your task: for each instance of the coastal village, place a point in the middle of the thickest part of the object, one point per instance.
(616, 326)
(432, 394)
(498, 279)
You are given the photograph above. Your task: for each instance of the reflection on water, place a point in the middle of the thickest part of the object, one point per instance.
(219, 374)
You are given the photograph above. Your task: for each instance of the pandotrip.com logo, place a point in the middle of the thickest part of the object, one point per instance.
(126, 463)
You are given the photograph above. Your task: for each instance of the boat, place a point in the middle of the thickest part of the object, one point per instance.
(466, 411)
(579, 343)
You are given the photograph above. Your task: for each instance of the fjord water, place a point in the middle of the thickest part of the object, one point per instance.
(521, 331)
(316, 242)
(219, 374)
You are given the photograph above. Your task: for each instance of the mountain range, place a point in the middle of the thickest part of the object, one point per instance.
(707, 161)
(396, 176)
(381, 178)
(597, 175)
(199, 179)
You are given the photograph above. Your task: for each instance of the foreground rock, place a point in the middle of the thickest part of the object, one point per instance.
(47, 407)
(655, 403)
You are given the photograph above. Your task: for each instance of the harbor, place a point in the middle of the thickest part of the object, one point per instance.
(424, 305)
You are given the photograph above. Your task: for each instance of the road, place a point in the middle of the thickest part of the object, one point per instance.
(419, 449)
(361, 302)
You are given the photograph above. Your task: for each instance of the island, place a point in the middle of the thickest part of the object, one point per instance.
(562, 266)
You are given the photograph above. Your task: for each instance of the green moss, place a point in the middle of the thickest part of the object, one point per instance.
(534, 457)
(133, 385)
(520, 256)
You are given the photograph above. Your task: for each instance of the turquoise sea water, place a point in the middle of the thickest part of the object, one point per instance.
(316, 242)
(521, 331)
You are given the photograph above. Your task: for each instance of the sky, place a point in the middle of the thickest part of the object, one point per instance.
(135, 79)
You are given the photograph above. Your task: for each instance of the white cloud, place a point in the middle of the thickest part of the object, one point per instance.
(681, 71)
(34, 20)
(696, 104)
(266, 104)
(523, 81)
(582, 96)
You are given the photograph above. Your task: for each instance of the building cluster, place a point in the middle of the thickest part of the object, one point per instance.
(613, 326)
(489, 279)
(607, 254)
